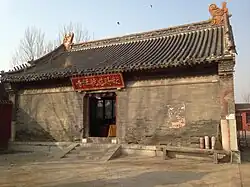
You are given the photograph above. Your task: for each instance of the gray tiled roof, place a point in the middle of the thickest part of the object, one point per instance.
(185, 45)
(242, 106)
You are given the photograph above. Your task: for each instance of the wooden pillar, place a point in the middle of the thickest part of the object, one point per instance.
(228, 121)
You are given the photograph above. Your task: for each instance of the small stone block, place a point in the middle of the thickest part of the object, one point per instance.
(84, 140)
(114, 141)
(164, 155)
(216, 158)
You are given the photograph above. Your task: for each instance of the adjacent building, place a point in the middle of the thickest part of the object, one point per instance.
(243, 116)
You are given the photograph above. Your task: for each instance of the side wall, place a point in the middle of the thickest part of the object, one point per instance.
(49, 115)
(177, 111)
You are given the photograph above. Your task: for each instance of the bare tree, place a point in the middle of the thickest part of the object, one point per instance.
(81, 34)
(246, 97)
(33, 44)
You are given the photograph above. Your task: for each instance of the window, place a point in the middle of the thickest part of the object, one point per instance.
(108, 109)
(99, 113)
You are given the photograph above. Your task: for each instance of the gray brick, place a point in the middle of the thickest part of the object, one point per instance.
(49, 116)
(148, 121)
(145, 114)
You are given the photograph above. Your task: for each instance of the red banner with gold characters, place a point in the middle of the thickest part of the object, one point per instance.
(98, 82)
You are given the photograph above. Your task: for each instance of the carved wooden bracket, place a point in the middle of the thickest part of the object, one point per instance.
(68, 41)
(218, 14)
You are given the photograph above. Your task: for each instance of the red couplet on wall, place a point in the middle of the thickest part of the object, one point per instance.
(245, 120)
(98, 82)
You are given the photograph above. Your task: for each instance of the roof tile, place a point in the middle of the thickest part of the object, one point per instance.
(184, 45)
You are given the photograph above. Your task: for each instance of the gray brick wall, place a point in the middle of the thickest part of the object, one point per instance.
(177, 111)
(49, 115)
(226, 70)
(172, 110)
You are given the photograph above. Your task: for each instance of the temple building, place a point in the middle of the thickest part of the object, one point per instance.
(174, 85)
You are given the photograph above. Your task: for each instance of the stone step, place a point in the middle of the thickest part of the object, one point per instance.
(112, 152)
(99, 140)
(96, 146)
(87, 151)
(94, 152)
(66, 151)
(85, 156)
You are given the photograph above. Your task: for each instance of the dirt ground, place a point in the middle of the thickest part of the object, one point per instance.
(35, 170)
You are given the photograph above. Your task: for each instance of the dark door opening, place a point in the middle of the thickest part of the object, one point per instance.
(102, 115)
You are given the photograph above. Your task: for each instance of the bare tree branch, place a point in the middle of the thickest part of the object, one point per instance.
(81, 34)
(50, 46)
(246, 97)
(33, 45)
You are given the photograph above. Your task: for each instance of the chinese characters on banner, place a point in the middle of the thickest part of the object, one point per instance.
(98, 82)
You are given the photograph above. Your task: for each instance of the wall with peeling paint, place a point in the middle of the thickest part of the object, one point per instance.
(54, 114)
(177, 111)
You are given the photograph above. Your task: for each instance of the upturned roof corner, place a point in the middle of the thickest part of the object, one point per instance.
(68, 41)
(221, 16)
(218, 14)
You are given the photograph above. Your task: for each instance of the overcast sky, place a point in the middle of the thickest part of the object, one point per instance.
(100, 17)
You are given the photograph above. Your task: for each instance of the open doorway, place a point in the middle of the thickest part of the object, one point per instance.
(102, 115)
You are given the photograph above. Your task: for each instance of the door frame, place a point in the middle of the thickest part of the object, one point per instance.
(86, 116)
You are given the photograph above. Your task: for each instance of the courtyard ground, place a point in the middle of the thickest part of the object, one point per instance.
(34, 170)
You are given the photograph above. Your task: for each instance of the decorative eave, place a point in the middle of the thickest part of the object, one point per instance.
(221, 16)
(30, 64)
(69, 72)
(68, 41)
(65, 46)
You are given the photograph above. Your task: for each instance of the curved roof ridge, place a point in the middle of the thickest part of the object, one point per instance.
(144, 35)
(32, 63)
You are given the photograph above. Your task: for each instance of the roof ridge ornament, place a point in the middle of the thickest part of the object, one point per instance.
(68, 40)
(218, 14)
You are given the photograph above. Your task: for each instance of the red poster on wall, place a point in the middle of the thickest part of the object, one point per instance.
(98, 82)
